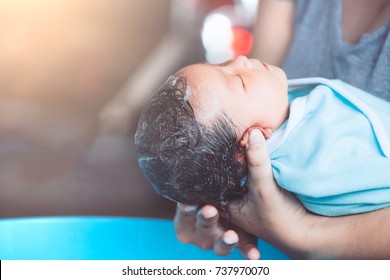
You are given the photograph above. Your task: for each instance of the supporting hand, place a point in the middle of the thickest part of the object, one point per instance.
(208, 230)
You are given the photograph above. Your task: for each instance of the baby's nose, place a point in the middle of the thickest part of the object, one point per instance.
(246, 63)
(239, 63)
(241, 60)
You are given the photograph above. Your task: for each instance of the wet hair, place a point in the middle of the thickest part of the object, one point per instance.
(183, 159)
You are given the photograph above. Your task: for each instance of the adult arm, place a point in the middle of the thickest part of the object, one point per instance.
(273, 31)
(276, 216)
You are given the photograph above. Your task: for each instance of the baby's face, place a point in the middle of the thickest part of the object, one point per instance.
(249, 92)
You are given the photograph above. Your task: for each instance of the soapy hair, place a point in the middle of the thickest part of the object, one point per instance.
(184, 160)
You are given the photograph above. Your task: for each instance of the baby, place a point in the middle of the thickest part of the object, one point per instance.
(191, 136)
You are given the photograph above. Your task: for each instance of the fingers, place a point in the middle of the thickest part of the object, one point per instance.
(226, 244)
(259, 165)
(184, 222)
(248, 247)
(251, 252)
(207, 218)
(260, 178)
(231, 239)
(203, 228)
(199, 227)
(207, 227)
(263, 192)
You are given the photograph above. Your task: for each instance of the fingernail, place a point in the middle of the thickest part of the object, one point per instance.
(209, 212)
(187, 208)
(255, 136)
(230, 239)
(253, 254)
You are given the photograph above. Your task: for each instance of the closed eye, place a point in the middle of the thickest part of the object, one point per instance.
(242, 81)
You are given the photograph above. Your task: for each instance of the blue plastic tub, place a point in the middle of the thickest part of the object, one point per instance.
(101, 238)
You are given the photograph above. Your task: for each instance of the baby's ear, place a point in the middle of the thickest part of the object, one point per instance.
(244, 139)
(267, 132)
(240, 156)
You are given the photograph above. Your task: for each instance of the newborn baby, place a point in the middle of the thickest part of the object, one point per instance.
(326, 145)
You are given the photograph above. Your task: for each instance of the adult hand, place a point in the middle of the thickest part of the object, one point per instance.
(276, 216)
(206, 229)
(270, 212)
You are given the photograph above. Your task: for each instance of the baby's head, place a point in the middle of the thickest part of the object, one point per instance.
(191, 135)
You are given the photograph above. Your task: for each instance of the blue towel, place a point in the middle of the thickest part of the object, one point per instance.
(333, 152)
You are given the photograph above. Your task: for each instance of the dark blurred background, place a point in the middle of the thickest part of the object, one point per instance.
(74, 75)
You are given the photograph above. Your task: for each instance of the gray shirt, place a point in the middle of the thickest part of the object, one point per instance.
(322, 52)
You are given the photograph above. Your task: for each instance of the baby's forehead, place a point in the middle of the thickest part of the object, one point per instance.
(207, 91)
(195, 70)
(203, 77)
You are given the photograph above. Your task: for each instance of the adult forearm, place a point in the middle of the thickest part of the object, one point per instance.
(273, 31)
(362, 236)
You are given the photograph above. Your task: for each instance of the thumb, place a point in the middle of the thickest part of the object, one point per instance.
(259, 165)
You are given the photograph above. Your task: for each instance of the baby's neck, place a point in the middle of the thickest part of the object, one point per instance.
(282, 118)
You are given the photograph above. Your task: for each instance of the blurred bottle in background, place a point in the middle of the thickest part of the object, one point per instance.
(227, 30)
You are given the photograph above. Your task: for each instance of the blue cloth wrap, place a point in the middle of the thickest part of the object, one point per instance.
(336, 160)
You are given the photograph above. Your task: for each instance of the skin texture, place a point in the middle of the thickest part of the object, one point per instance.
(284, 222)
(276, 216)
(277, 213)
(236, 86)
